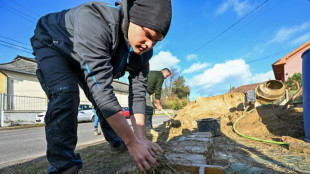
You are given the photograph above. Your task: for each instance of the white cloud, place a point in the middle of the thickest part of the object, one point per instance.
(164, 59)
(286, 33)
(219, 78)
(191, 57)
(195, 67)
(293, 35)
(262, 77)
(160, 45)
(301, 39)
(240, 7)
(223, 7)
(259, 48)
(220, 73)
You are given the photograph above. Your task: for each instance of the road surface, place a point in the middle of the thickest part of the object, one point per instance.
(19, 145)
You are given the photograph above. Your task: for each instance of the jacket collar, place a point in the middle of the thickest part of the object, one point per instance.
(125, 7)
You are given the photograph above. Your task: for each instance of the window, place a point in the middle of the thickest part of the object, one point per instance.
(125, 108)
(86, 107)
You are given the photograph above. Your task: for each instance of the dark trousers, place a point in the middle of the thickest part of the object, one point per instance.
(59, 79)
(149, 110)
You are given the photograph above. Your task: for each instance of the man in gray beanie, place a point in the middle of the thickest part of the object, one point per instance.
(89, 46)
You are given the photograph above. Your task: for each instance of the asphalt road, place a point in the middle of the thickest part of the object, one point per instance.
(20, 145)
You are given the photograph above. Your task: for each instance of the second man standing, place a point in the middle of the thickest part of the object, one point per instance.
(154, 85)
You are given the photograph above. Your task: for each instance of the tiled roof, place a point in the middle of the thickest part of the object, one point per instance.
(283, 59)
(21, 64)
(120, 86)
(245, 88)
(27, 65)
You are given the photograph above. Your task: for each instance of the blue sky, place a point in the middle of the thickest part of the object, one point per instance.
(214, 44)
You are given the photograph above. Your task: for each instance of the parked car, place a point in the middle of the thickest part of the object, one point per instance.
(40, 117)
(85, 113)
(126, 112)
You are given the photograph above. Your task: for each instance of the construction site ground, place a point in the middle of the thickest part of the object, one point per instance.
(236, 154)
(185, 147)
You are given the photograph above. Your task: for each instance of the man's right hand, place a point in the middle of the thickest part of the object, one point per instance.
(139, 149)
(158, 105)
(141, 153)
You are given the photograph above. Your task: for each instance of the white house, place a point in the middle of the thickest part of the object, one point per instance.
(23, 96)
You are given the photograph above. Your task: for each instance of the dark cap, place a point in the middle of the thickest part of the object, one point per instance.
(154, 14)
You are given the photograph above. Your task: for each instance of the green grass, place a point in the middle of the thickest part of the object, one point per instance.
(96, 158)
(298, 99)
(23, 126)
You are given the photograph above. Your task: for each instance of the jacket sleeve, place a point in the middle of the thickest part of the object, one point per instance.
(138, 83)
(159, 84)
(92, 44)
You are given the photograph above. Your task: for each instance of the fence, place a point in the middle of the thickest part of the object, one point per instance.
(22, 103)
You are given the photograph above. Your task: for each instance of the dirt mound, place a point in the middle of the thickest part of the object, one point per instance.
(272, 122)
(231, 151)
(267, 122)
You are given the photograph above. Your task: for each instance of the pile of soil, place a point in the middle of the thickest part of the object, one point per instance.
(272, 122)
(267, 122)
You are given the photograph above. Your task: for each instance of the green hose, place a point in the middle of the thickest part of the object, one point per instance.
(252, 138)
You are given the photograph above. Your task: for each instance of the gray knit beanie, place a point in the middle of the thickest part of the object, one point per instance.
(154, 14)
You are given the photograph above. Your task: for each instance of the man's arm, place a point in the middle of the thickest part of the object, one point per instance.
(137, 90)
(93, 50)
(158, 105)
(137, 122)
(140, 151)
(159, 84)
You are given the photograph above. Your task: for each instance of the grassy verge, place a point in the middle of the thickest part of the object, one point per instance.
(22, 126)
(298, 99)
(96, 158)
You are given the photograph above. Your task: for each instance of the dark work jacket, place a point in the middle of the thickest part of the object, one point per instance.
(92, 37)
(154, 83)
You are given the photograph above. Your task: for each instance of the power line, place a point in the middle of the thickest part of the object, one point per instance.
(8, 46)
(245, 25)
(14, 11)
(265, 57)
(31, 11)
(211, 40)
(11, 44)
(15, 41)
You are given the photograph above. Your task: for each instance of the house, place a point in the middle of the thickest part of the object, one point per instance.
(290, 63)
(22, 91)
(245, 88)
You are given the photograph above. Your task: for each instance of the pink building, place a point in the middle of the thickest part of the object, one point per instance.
(290, 63)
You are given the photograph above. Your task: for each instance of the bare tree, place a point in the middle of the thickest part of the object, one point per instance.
(173, 76)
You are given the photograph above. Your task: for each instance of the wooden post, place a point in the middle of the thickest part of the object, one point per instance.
(1, 109)
(292, 98)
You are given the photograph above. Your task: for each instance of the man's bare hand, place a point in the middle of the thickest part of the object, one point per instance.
(142, 154)
(154, 147)
(159, 107)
